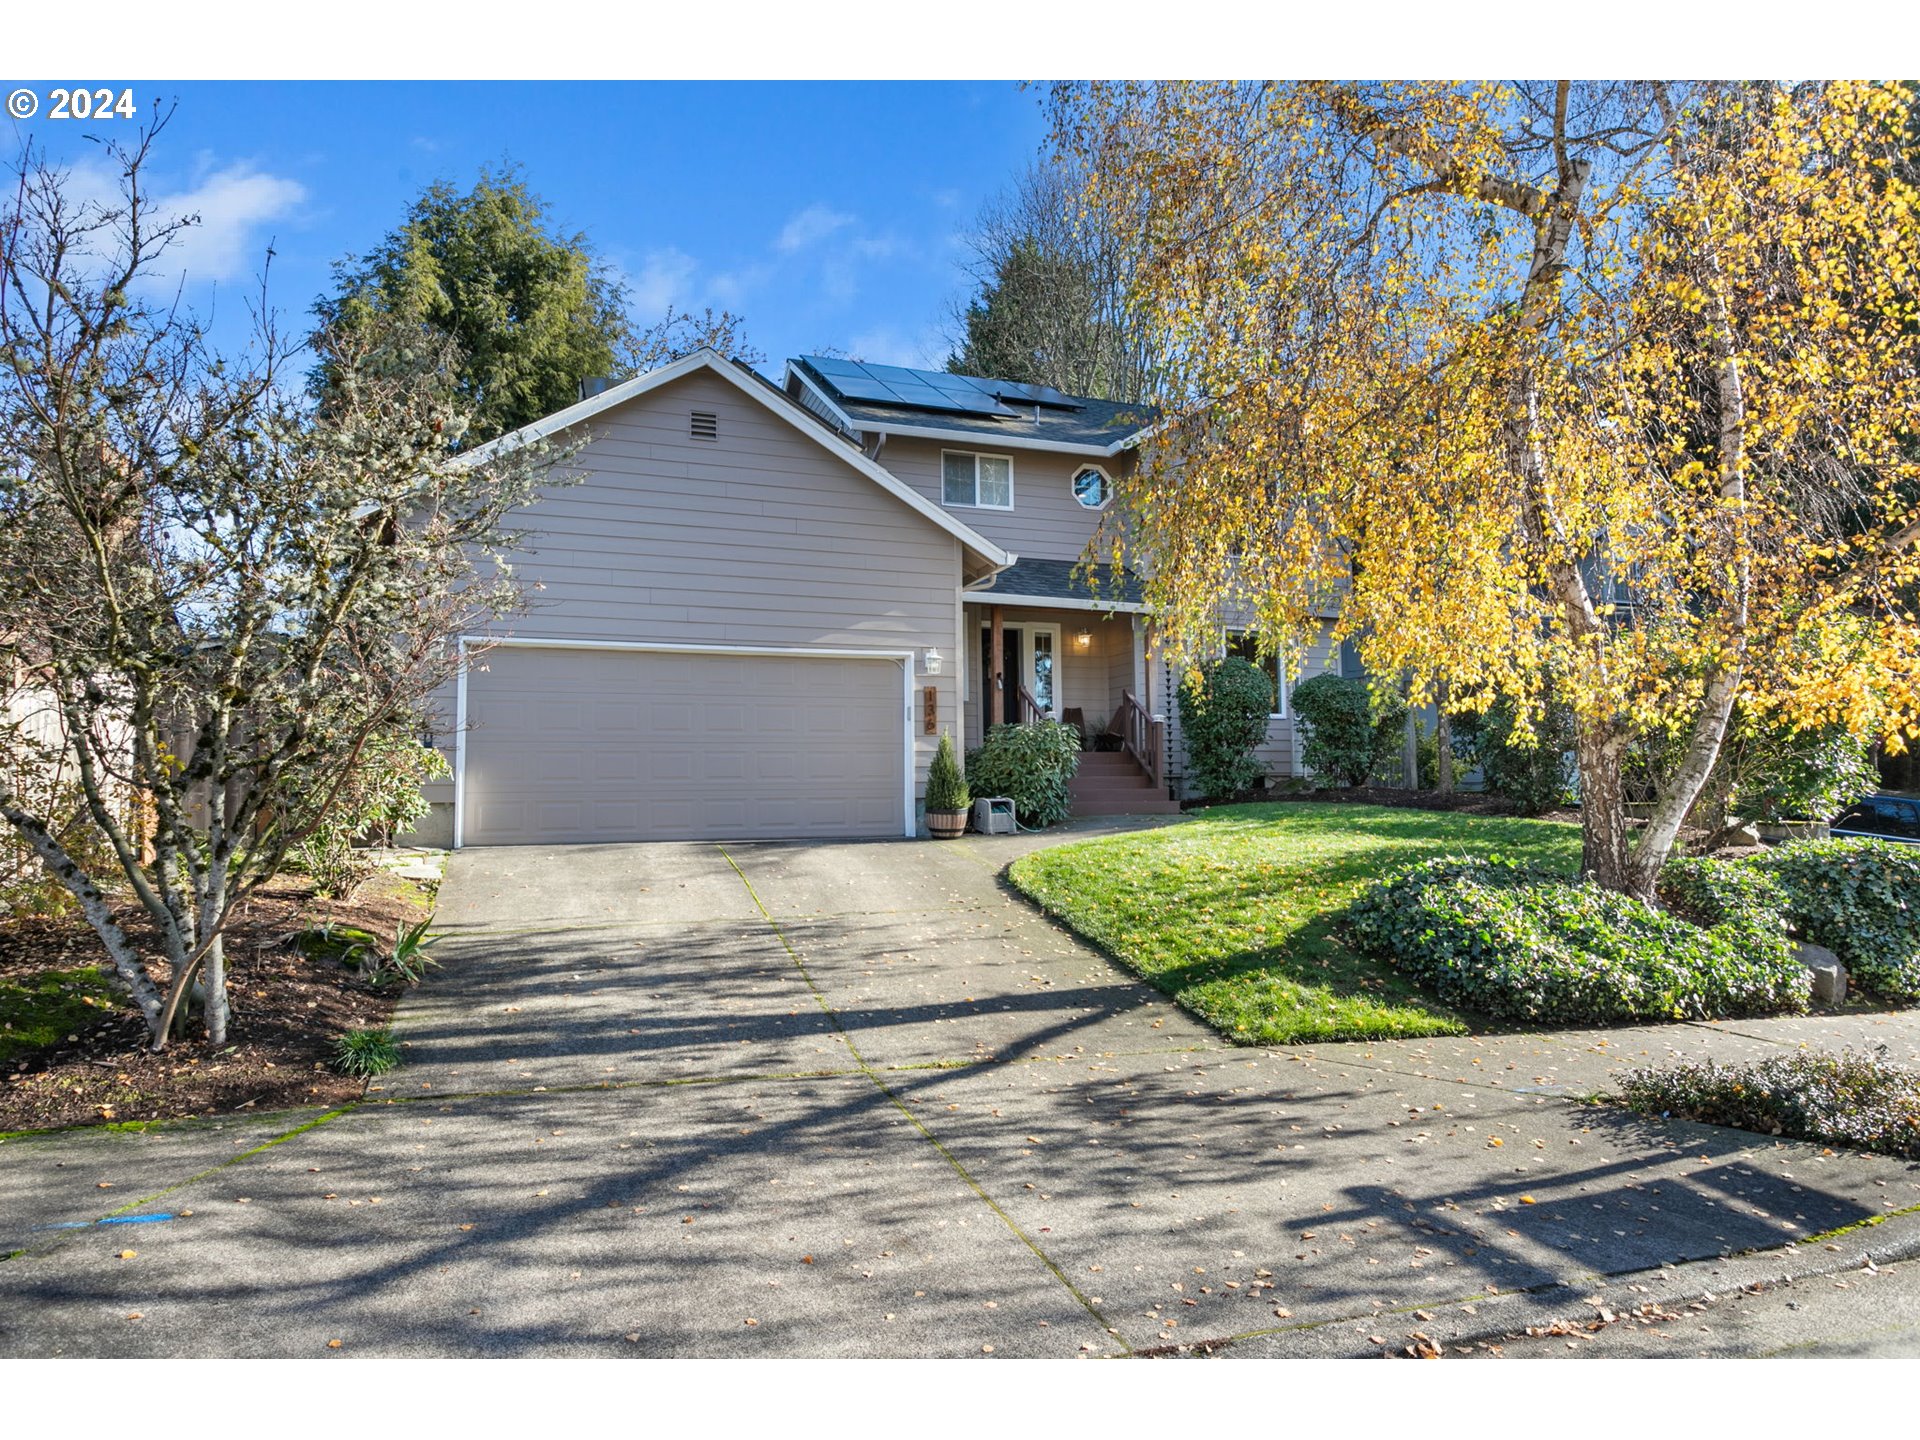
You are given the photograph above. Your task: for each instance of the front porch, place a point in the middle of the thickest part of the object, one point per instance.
(1028, 659)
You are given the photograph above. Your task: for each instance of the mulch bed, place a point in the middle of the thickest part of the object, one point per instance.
(288, 1009)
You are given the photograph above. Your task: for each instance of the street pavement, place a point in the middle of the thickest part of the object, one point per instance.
(861, 1099)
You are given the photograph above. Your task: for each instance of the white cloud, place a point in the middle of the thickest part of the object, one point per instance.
(662, 282)
(232, 205)
(810, 226)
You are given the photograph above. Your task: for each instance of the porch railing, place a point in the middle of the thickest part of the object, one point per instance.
(1141, 736)
(1030, 710)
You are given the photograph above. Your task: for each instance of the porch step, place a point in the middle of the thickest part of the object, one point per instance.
(1112, 783)
(1157, 806)
(1107, 760)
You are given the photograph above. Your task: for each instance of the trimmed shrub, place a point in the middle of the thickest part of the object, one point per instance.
(1223, 718)
(1346, 729)
(1030, 765)
(1843, 1098)
(1537, 776)
(1859, 898)
(946, 787)
(1519, 943)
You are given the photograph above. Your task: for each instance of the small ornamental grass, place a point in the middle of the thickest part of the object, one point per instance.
(1843, 1098)
(366, 1053)
(1524, 944)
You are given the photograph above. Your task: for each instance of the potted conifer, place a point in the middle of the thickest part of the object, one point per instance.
(947, 794)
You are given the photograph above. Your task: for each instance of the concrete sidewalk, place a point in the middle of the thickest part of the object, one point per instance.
(860, 1099)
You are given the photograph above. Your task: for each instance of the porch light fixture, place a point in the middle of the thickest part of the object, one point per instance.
(930, 662)
(1083, 640)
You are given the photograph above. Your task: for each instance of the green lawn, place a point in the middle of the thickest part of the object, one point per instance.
(1231, 913)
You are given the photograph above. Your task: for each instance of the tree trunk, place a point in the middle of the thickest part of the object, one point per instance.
(1442, 741)
(1607, 853)
(213, 977)
(93, 905)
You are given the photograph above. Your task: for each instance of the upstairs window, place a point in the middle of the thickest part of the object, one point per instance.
(1244, 644)
(985, 481)
(1092, 488)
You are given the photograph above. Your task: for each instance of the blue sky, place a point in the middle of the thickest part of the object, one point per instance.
(828, 214)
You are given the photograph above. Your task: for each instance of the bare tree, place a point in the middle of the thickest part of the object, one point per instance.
(1051, 284)
(222, 592)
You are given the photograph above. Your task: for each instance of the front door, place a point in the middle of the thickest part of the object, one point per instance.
(1029, 656)
(1002, 703)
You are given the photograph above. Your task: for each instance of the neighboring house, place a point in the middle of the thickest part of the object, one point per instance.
(759, 605)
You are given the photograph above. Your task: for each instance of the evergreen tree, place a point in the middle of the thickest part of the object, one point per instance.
(531, 310)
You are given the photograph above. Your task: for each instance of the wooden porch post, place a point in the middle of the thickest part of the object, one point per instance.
(997, 707)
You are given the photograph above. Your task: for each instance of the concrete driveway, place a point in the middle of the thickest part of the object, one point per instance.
(859, 1099)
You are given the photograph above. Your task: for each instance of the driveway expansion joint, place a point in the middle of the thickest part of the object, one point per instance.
(893, 1098)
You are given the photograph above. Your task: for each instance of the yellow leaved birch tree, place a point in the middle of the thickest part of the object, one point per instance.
(1608, 391)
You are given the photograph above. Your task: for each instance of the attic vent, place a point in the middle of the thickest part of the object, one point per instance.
(706, 425)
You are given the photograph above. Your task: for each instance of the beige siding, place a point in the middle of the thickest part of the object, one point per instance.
(1045, 523)
(763, 537)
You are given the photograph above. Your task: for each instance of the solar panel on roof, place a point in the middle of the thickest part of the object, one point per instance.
(913, 389)
(863, 387)
(1033, 394)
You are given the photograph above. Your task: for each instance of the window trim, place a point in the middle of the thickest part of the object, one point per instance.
(1106, 487)
(976, 456)
(1278, 676)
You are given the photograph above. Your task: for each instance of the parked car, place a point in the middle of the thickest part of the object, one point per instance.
(1890, 817)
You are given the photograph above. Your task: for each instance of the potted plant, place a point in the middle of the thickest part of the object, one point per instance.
(947, 794)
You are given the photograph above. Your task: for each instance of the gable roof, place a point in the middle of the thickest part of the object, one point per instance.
(895, 400)
(762, 392)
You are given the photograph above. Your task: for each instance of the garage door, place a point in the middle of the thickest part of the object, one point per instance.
(567, 745)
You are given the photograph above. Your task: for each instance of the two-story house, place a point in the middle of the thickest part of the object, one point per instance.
(757, 606)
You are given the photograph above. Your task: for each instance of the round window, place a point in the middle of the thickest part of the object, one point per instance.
(1090, 488)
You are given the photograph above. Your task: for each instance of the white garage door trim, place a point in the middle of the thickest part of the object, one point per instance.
(903, 658)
